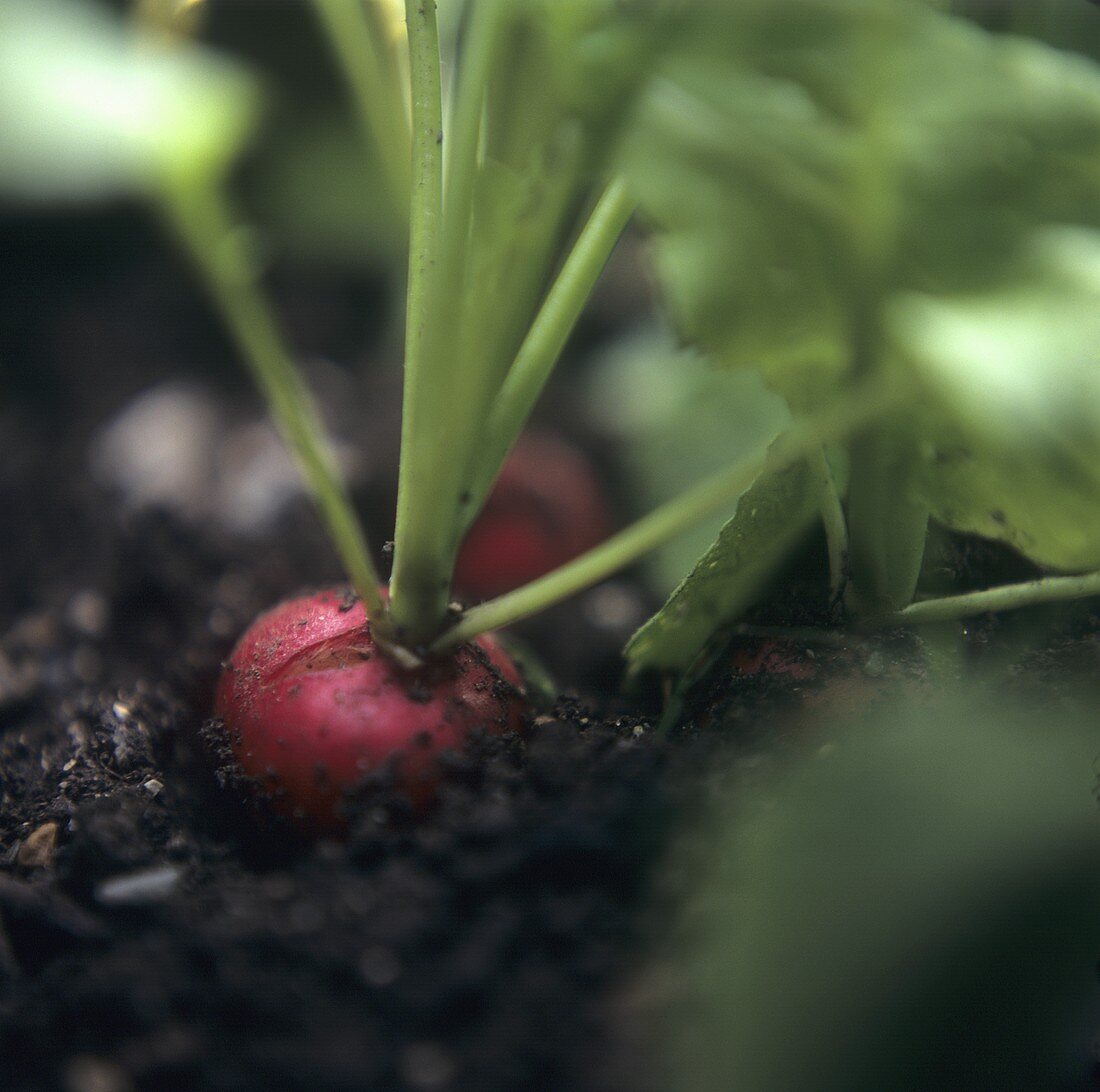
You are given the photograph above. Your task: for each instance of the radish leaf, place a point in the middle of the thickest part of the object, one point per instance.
(1015, 452)
(87, 111)
(772, 515)
(802, 160)
(827, 179)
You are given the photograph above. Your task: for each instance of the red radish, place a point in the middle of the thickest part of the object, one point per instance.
(546, 508)
(775, 657)
(311, 705)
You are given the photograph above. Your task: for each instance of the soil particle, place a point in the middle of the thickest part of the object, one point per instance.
(40, 847)
(139, 888)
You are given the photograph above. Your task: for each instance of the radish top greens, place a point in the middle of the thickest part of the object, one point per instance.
(886, 211)
(851, 189)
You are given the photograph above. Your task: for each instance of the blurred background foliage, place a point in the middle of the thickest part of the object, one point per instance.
(907, 899)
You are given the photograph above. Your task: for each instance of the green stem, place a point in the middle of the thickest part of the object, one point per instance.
(471, 390)
(670, 519)
(1050, 589)
(203, 222)
(479, 41)
(834, 522)
(364, 47)
(887, 522)
(420, 575)
(548, 334)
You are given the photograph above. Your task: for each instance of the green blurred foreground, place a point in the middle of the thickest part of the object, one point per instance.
(910, 902)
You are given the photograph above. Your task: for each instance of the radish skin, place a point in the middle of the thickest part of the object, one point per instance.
(311, 706)
(546, 508)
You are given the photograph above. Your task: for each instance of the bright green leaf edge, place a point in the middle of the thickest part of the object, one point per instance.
(771, 516)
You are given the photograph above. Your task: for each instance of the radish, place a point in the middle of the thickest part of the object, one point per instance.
(311, 705)
(546, 508)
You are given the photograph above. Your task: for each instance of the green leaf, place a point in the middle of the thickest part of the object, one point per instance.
(676, 419)
(770, 519)
(87, 110)
(1019, 363)
(911, 904)
(1014, 451)
(812, 167)
(803, 160)
(1051, 517)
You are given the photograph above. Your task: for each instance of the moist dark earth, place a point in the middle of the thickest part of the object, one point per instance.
(157, 930)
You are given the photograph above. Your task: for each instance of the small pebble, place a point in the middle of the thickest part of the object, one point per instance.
(87, 1074)
(139, 888)
(37, 631)
(153, 787)
(220, 622)
(40, 848)
(17, 680)
(614, 606)
(159, 451)
(427, 1066)
(87, 612)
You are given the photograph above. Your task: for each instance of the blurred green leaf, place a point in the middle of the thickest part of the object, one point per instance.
(88, 110)
(770, 519)
(1051, 517)
(676, 419)
(803, 159)
(1020, 365)
(1068, 24)
(814, 168)
(914, 904)
(319, 192)
(1020, 362)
